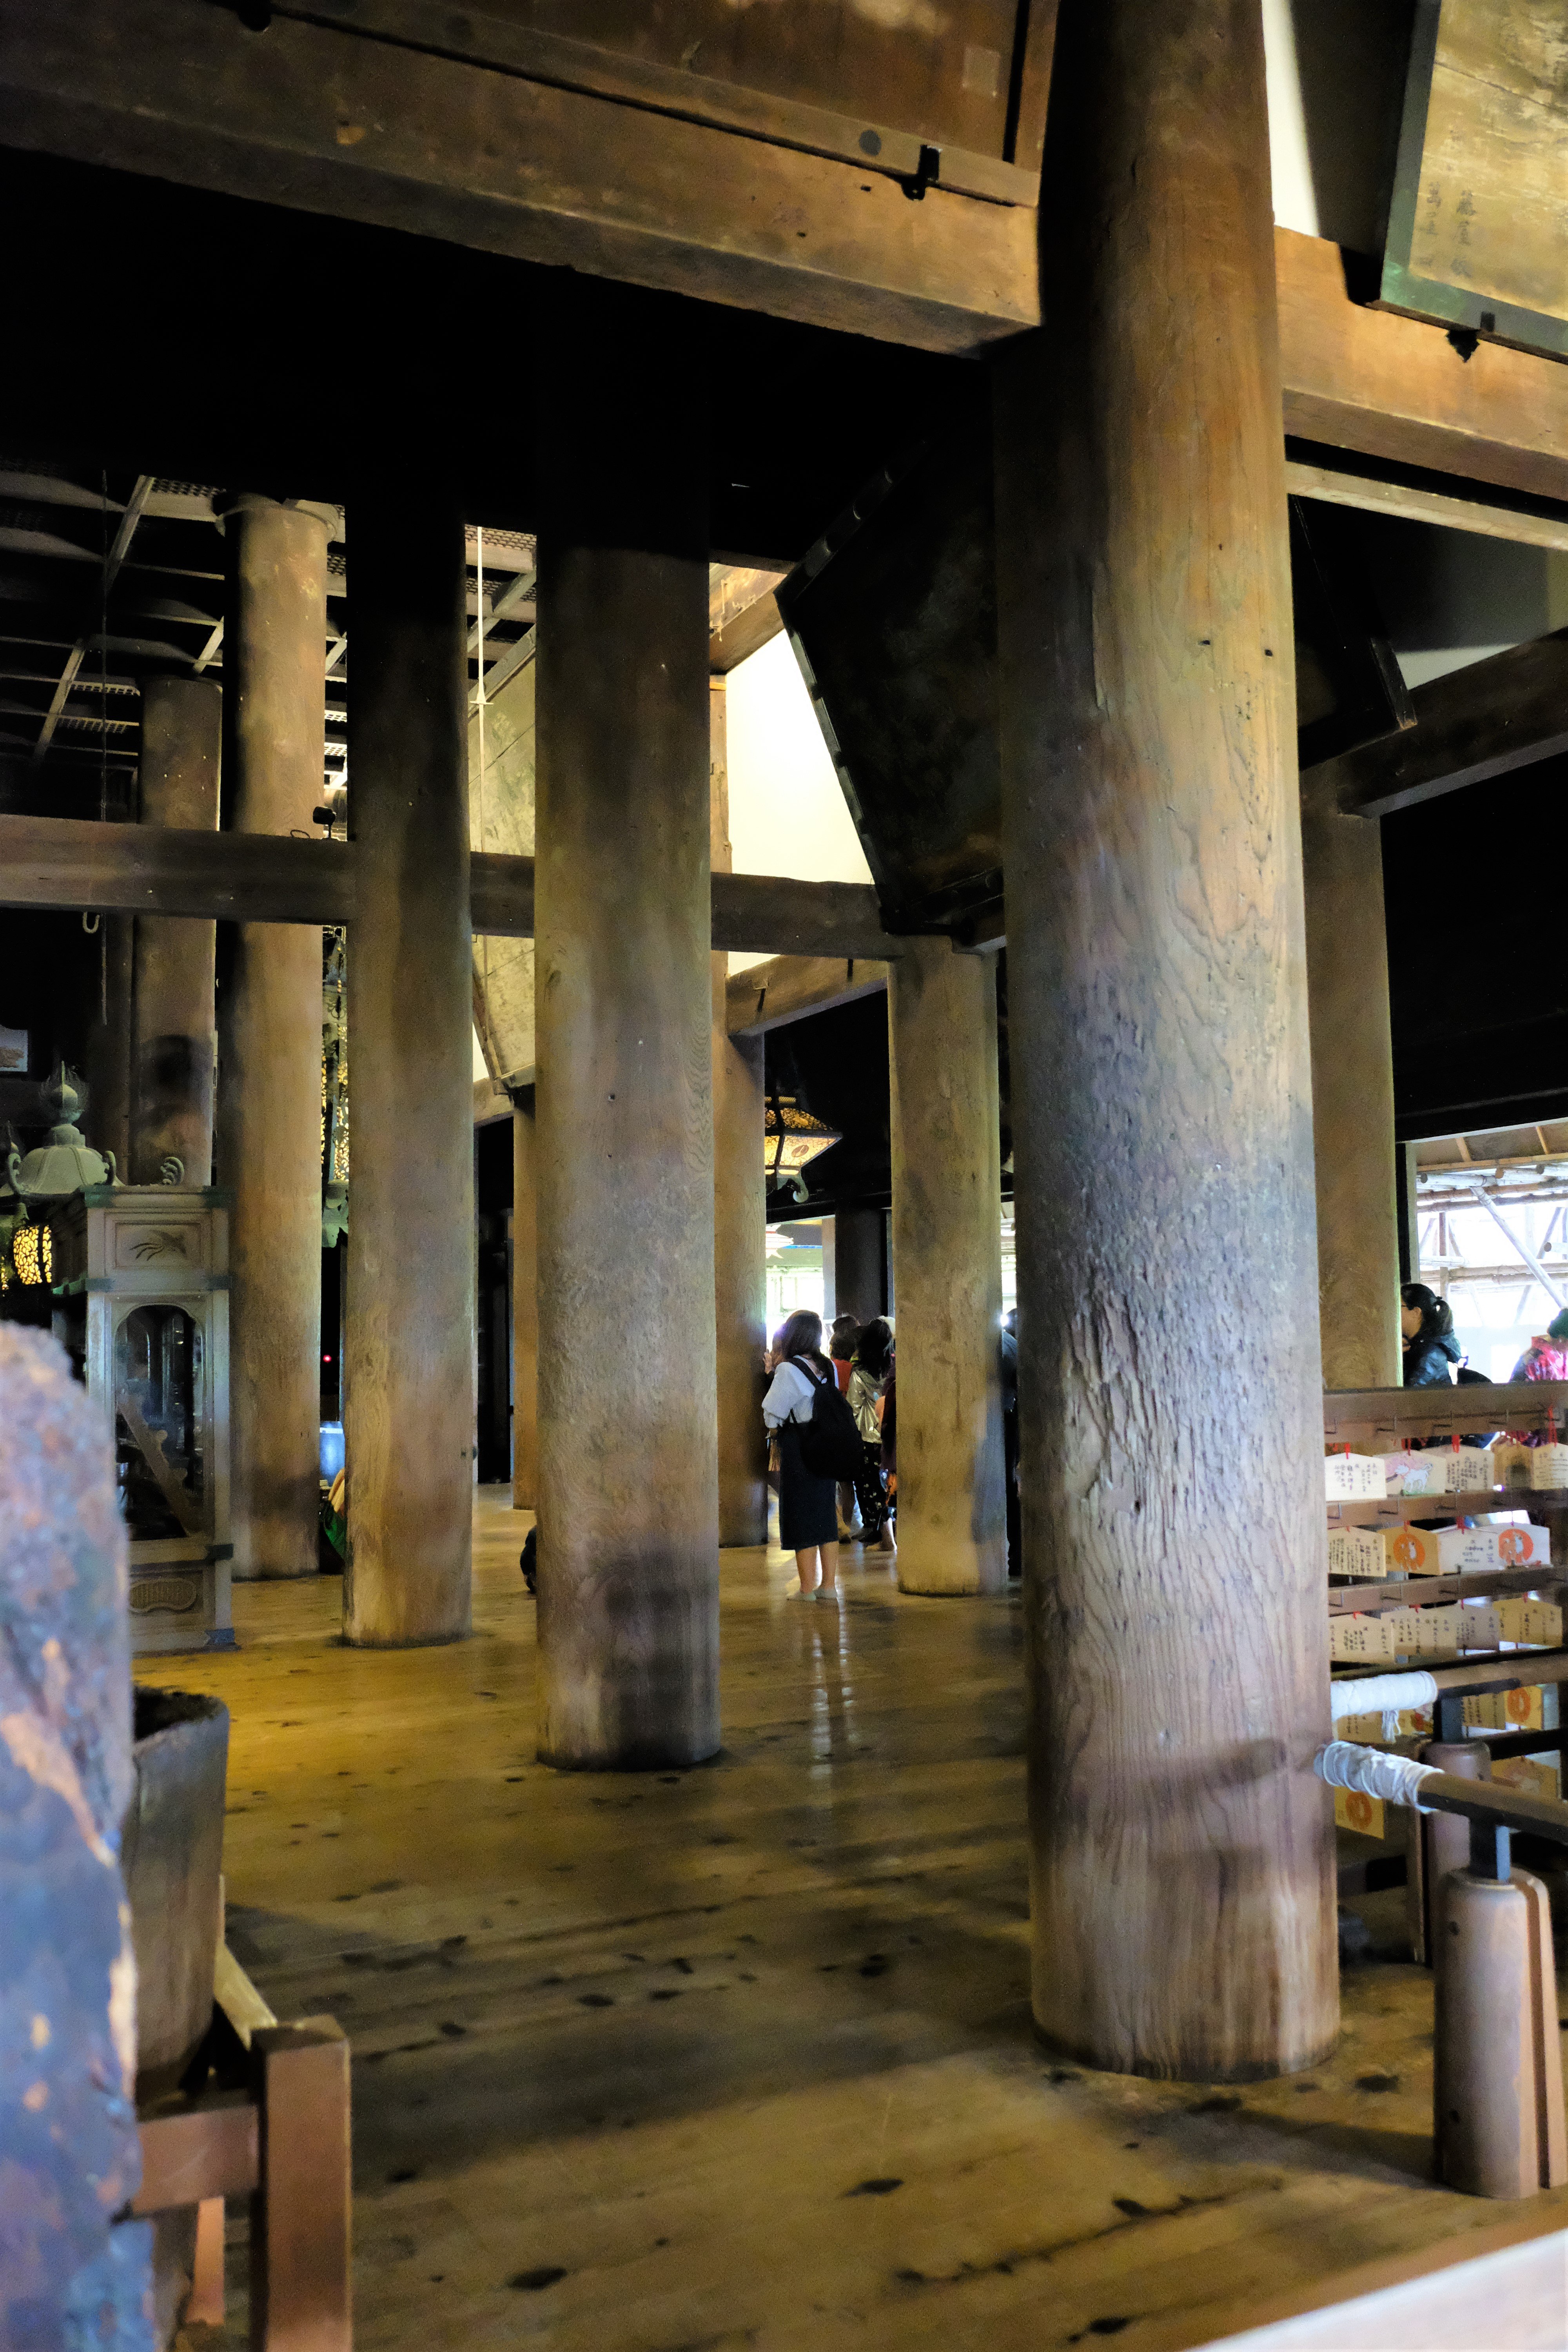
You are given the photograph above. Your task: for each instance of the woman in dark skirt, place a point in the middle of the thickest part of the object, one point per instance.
(808, 1506)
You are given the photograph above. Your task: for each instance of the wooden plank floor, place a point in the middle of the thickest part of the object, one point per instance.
(741, 2056)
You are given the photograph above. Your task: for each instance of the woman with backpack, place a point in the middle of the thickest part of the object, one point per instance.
(808, 1505)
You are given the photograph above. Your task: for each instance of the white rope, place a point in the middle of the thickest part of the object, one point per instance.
(1394, 1779)
(1381, 1695)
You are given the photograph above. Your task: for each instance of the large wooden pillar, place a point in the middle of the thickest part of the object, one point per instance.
(739, 1216)
(408, 1417)
(269, 1022)
(947, 1265)
(524, 1307)
(860, 1264)
(1182, 1889)
(174, 1016)
(1352, 1090)
(629, 1570)
(109, 1038)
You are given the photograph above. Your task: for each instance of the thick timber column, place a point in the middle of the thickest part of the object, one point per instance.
(524, 1307)
(1182, 1854)
(947, 1269)
(1352, 1090)
(270, 1021)
(408, 1417)
(860, 1264)
(174, 1015)
(739, 1216)
(629, 1570)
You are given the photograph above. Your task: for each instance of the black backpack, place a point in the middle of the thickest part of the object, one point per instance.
(830, 1444)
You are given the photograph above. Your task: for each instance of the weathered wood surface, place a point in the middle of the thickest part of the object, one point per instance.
(255, 876)
(802, 919)
(173, 1005)
(794, 89)
(1396, 388)
(1353, 1091)
(261, 879)
(768, 911)
(208, 2148)
(740, 1212)
(1478, 231)
(1405, 491)
(68, 2155)
(171, 1857)
(315, 117)
(947, 1270)
(867, 1829)
(300, 2288)
(1472, 724)
(1510, 1404)
(108, 1042)
(629, 1565)
(1170, 1378)
(408, 1342)
(270, 1096)
(745, 634)
(787, 987)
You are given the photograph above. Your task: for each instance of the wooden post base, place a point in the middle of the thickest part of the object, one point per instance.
(1497, 2083)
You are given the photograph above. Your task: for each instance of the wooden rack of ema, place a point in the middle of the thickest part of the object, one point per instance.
(1478, 1602)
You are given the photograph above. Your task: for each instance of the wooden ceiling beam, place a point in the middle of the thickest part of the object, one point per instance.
(315, 116)
(1471, 725)
(1399, 389)
(743, 635)
(1414, 497)
(68, 862)
(319, 118)
(787, 987)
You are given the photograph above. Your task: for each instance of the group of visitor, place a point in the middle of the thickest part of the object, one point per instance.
(1427, 1330)
(832, 1422)
(831, 1418)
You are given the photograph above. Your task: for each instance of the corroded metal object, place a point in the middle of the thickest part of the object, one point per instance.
(68, 2154)
(66, 1163)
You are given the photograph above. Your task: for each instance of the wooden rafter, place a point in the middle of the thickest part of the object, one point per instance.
(1472, 724)
(129, 516)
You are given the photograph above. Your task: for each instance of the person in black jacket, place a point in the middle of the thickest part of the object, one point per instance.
(1426, 1323)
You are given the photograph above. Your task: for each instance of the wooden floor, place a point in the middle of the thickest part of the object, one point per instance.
(741, 2056)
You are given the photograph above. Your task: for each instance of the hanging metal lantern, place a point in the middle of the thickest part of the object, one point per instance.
(791, 1140)
(66, 1163)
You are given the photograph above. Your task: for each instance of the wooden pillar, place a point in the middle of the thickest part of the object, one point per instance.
(947, 1259)
(524, 1307)
(628, 1571)
(408, 1420)
(174, 1017)
(109, 1045)
(1407, 1199)
(740, 1215)
(1352, 1090)
(860, 1264)
(1183, 1910)
(269, 1023)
